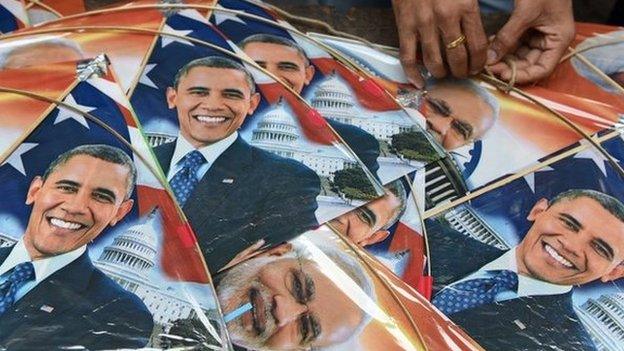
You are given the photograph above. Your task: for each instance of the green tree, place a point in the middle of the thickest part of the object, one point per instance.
(354, 184)
(413, 145)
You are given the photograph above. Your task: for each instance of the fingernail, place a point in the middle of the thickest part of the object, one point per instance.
(491, 56)
(416, 83)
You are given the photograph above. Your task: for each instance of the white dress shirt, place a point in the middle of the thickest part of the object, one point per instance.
(527, 286)
(210, 153)
(43, 267)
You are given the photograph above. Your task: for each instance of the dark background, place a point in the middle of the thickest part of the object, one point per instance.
(374, 20)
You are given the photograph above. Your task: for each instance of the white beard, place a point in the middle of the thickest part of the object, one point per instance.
(233, 292)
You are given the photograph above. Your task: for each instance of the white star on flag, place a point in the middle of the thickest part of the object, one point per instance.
(221, 16)
(145, 79)
(194, 15)
(530, 178)
(15, 159)
(168, 39)
(65, 113)
(592, 154)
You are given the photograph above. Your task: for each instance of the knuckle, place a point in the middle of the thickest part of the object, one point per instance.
(425, 18)
(436, 62)
(479, 48)
(458, 59)
(407, 59)
(505, 39)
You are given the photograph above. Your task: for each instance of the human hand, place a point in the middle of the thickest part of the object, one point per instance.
(424, 22)
(535, 37)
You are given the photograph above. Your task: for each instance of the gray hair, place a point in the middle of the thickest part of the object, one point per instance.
(7, 51)
(214, 62)
(608, 202)
(397, 189)
(274, 39)
(100, 151)
(473, 87)
(348, 265)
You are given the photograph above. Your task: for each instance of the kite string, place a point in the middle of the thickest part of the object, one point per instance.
(512, 64)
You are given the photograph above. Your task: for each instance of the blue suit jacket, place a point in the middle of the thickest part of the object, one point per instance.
(526, 323)
(364, 145)
(248, 194)
(84, 307)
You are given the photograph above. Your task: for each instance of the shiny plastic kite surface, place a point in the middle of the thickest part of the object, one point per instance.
(336, 206)
(90, 239)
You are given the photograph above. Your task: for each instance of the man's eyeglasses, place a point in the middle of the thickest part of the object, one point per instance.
(442, 108)
(302, 289)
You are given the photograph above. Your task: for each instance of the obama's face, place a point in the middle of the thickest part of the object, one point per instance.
(365, 224)
(212, 103)
(77, 201)
(574, 241)
(285, 62)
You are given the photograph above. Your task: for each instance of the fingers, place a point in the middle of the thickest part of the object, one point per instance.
(408, 43)
(456, 54)
(408, 39)
(541, 69)
(425, 23)
(430, 43)
(507, 38)
(476, 41)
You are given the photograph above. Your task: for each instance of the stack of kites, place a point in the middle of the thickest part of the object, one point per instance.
(201, 175)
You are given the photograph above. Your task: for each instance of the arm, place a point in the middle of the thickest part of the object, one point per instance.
(535, 37)
(423, 22)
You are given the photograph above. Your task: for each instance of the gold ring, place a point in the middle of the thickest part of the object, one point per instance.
(457, 42)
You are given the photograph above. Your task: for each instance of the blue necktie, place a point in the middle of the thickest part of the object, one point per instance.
(475, 292)
(22, 273)
(185, 180)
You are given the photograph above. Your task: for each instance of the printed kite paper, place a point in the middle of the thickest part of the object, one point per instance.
(506, 142)
(353, 103)
(12, 16)
(564, 299)
(45, 10)
(135, 273)
(324, 179)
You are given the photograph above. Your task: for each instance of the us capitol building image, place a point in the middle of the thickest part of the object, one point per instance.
(129, 260)
(277, 132)
(604, 319)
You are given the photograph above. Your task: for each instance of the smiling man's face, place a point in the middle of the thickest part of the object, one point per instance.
(212, 103)
(574, 241)
(283, 61)
(294, 305)
(74, 204)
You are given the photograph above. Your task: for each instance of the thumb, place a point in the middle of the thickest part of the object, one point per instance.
(507, 38)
